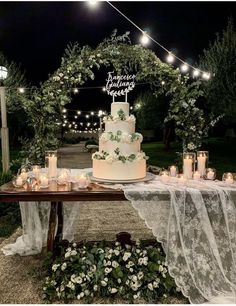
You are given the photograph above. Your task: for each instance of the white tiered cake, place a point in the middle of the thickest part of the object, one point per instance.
(119, 156)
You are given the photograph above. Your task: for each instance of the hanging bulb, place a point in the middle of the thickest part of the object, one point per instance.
(184, 68)
(206, 76)
(170, 58)
(104, 89)
(64, 110)
(92, 113)
(162, 82)
(79, 112)
(196, 73)
(144, 40)
(76, 90)
(93, 3)
(21, 90)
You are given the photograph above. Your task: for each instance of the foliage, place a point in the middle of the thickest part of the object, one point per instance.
(17, 115)
(78, 65)
(151, 111)
(132, 273)
(220, 60)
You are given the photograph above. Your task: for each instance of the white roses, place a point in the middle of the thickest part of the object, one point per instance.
(126, 256)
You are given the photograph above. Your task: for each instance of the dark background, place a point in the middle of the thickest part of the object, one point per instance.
(35, 34)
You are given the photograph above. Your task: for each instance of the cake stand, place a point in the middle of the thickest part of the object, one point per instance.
(149, 176)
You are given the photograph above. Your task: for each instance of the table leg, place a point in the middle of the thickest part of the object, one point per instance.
(52, 226)
(59, 233)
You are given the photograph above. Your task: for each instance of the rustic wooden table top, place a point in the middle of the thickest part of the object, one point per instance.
(55, 192)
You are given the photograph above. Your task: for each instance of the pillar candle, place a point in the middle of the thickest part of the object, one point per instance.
(201, 164)
(196, 176)
(173, 171)
(52, 166)
(187, 169)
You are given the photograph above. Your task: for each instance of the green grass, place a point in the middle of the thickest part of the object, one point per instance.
(222, 155)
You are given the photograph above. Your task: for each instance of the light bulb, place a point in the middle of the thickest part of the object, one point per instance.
(87, 116)
(144, 40)
(79, 112)
(92, 3)
(76, 117)
(64, 110)
(206, 76)
(196, 72)
(92, 113)
(170, 58)
(21, 90)
(76, 90)
(162, 82)
(184, 68)
(104, 89)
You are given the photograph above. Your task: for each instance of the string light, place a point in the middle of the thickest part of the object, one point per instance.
(76, 90)
(104, 89)
(64, 116)
(93, 3)
(184, 68)
(87, 116)
(196, 73)
(92, 113)
(170, 58)
(21, 90)
(64, 110)
(144, 40)
(79, 112)
(206, 76)
(162, 82)
(76, 116)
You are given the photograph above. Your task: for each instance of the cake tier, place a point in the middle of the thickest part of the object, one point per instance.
(124, 126)
(117, 106)
(119, 170)
(125, 148)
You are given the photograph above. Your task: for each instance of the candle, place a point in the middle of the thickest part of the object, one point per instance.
(82, 181)
(19, 181)
(229, 180)
(210, 175)
(196, 176)
(173, 171)
(43, 181)
(187, 169)
(201, 164)
(165, 177)
(36, 171)
(52, 166)
(182, 180)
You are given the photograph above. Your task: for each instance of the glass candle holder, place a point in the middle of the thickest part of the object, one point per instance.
(64, 176)
(164, 176)
(83, 181)
(210, 174)
(36, 170)
(228, 178)
(51, 163)
(188, 164)
(43, 180)
(182, 181)
(202, 162)
(173, 171)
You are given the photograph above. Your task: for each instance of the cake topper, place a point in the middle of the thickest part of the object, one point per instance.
(119, 85)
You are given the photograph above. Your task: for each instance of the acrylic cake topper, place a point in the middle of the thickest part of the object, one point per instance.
(119, 85)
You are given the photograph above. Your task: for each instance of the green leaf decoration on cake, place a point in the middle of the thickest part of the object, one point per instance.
(117, 151)
(121, 114)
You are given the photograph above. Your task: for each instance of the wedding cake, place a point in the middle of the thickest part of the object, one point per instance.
(119, 156)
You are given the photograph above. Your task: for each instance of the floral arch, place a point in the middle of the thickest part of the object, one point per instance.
(77, 66)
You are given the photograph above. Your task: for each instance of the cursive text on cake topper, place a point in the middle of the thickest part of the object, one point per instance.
(119, 85)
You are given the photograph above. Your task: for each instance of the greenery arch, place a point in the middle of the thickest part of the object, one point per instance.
(46, 104)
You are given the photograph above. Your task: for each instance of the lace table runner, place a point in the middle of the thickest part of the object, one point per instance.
(196, 225)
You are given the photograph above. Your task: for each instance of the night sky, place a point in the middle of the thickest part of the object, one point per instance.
(35, 34)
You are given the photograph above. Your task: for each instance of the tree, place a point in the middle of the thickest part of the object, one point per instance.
(220, 60)
(17, 115)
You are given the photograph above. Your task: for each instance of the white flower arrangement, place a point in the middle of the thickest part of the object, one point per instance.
(132, 272)
(116, 156)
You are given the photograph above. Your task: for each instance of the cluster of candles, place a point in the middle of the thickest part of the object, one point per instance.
(42, 177)
(189, 172)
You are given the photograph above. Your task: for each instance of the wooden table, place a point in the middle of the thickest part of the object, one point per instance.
(56, 194)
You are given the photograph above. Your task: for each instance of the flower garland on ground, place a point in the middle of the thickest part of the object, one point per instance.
(131, 272)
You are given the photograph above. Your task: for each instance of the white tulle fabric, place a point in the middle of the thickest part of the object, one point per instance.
(196, 225)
